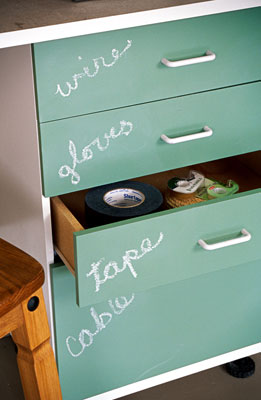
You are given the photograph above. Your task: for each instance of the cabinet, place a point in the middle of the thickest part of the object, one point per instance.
(189, 308)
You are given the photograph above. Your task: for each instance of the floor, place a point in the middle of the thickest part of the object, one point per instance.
(19, 14)
(213, 384)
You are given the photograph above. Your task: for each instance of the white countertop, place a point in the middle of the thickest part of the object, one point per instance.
(25, 22)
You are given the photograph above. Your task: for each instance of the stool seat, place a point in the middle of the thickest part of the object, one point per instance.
(20, 276)
(23, 314)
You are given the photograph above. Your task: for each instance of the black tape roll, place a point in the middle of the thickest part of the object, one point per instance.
(122, 200)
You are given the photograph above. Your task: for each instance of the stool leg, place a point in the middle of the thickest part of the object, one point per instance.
(35, 356)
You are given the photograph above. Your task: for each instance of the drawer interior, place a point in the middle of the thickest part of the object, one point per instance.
(68, 211)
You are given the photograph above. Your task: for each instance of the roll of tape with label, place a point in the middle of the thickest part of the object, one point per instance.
(122, 200)
(218, 190)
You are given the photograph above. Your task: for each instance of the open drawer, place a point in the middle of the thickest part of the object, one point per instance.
(157, 249)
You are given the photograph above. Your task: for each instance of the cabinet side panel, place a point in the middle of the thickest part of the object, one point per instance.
(24, 214)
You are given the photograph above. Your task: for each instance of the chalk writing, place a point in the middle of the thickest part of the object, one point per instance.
(112, 269)
(101, 321)
(87, 152)
(116, 55)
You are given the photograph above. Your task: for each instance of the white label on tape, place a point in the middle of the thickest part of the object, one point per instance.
(124, 198)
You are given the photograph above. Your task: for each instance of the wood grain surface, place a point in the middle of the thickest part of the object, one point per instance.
(20, 276)
(35, 357)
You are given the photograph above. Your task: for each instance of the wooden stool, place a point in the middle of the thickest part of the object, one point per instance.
(23, 313)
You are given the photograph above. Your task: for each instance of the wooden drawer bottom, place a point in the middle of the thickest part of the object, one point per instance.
(121, 341)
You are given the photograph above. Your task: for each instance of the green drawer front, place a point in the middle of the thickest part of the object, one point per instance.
(145, 252)
(108, 70)
(157, 331)
(87, 151)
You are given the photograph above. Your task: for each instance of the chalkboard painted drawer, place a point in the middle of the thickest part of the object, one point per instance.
(153, 250)
(92, 150)
(113, 69)
(125, 340)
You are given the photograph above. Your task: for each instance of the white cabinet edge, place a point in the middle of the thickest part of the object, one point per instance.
(179, 373)
(71, 29)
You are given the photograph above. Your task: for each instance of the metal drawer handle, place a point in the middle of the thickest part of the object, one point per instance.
(246, 236)
(199, 135)
(209, 56)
